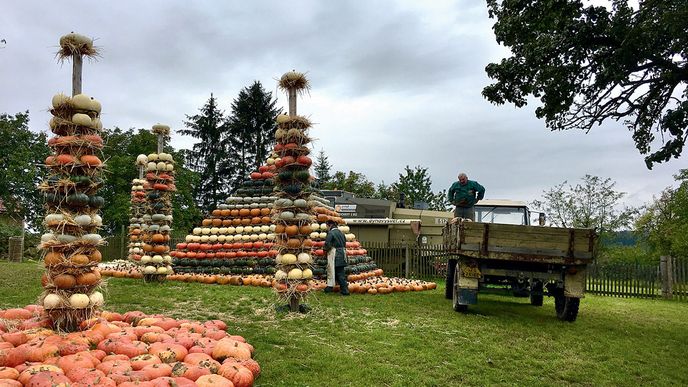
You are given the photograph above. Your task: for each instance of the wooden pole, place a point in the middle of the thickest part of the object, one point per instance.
(77, 64)
(161, 142)
(141, 171)
(292, 102)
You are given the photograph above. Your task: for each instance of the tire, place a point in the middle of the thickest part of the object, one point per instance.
(455, 294)
(536, 299)
(566, 307)
(449, 289)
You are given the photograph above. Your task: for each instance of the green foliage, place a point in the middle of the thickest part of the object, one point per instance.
(415, 184)
(120, 151)
(588, 64)
(663, 224)
(211, 157)
(593, 204)
(252, 125)
(322, 168)
(354, 182)
(23, 152)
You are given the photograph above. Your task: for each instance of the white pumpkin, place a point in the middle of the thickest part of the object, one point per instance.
(289, 259)
(295, 273)
(82, 119)
(96, 299)
(60, 99)
(149, 270)
(153, 157)
(280, 275)
(156, 259)
(52, 301)
(82, 220)
(141, 159)
(304, 258)
(81, 102)
(79, 301)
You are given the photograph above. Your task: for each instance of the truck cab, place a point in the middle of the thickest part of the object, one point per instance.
(504, 212)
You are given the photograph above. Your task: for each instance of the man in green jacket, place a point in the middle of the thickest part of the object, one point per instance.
(464, 194)
(336, 240)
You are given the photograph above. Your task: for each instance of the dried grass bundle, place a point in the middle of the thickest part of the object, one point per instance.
(76, 44)
(294, 80)
(293, 122)
(161, 129)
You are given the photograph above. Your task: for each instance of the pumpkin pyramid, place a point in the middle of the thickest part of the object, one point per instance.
(237, 237)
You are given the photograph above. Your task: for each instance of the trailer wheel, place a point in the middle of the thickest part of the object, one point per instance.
(455, 303)
(566, 307)
(455, 292)
(449, 289)
(536, 295)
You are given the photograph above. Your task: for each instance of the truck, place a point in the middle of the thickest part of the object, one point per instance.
(501, 249)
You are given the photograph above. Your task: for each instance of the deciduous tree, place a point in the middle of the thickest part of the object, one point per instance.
(591, 63)
(593, 203)
(21, 154)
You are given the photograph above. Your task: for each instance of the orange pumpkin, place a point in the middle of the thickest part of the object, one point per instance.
(91, 161)
(79, 259)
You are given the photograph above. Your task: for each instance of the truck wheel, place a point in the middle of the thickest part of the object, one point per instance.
(536, 299)
(566, 307)
(449, 289)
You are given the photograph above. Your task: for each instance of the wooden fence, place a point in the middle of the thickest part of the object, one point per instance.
(669, 279)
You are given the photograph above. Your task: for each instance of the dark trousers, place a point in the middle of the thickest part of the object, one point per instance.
(465, 212)
(340, 277)
(449, 290)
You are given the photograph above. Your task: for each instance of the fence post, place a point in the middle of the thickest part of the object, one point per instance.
(122, 244)
(665, 273)
(407, 260)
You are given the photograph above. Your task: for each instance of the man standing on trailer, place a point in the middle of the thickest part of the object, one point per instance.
(463, 194)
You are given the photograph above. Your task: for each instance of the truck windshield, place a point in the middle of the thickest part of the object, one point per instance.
(503, 215)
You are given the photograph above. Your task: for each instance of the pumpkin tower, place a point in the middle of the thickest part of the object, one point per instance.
(293, 210)
(159, 186)
(70, 245)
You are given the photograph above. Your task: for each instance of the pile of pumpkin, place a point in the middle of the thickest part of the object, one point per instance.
(236, 238)
(122, 349)
(156, 260)
(120, 269)
(70, 245)
(137, 210)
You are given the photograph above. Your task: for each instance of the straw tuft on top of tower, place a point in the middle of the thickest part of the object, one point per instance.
(161, 129)
(73, 43)
(294, 80)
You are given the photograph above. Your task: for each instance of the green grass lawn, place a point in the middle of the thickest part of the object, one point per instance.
(416, 339)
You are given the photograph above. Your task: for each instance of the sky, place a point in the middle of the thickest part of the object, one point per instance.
(393, 83)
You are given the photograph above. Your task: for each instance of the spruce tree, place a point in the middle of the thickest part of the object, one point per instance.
(210, 156)
(322, 168)
(252, 125)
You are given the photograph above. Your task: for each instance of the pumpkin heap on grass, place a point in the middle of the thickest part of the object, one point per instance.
(237, 237)
(137, 210)
(72, 220)
(156, 260)
(130, 349)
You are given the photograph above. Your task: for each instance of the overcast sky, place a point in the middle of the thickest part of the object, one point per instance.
(394, 83)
